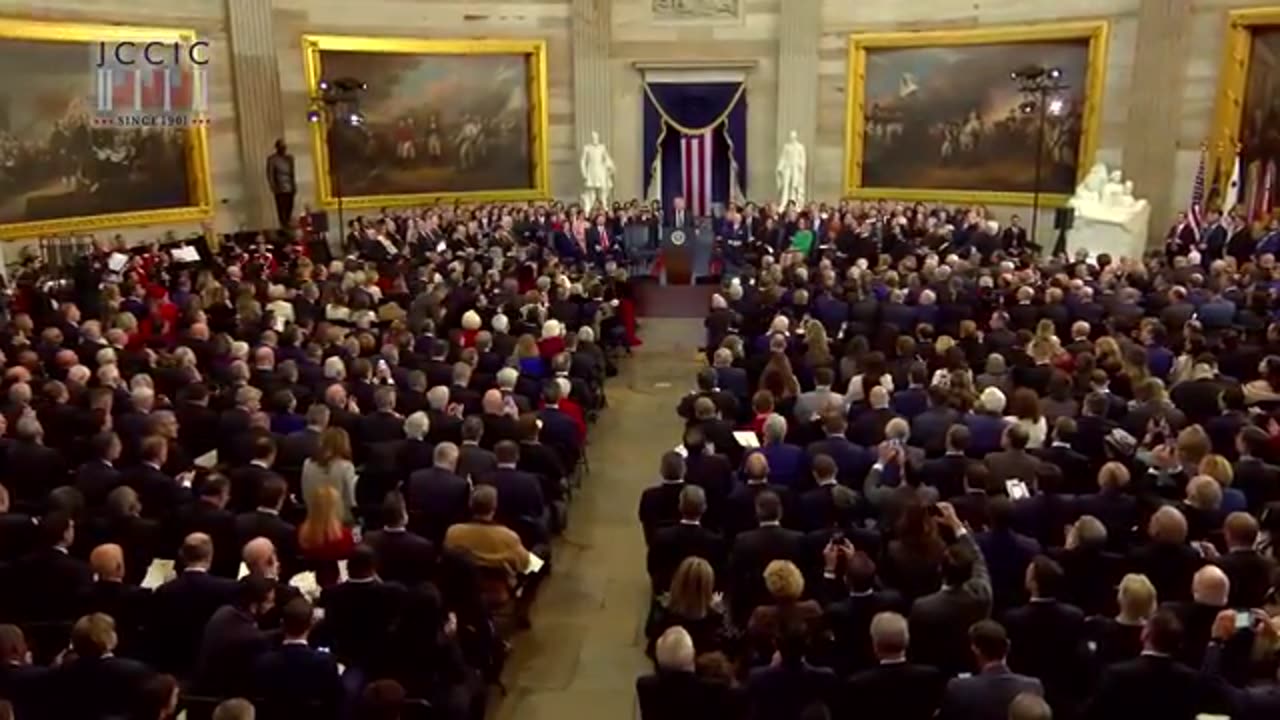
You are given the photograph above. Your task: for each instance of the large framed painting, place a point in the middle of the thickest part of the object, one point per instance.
(938, 115)
(87, 143)
(1247, 120)
(459, 119)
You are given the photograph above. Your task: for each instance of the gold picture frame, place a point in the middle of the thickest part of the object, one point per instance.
(198, 179)
(536, 52)
(1233, 78)
(1095, 33)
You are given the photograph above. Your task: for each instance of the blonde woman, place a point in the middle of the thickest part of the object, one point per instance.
(331, 467)
(817, 347)
(692, 603)
(1219, 468)
(1120, 638)
(785, 584)
(323, 536)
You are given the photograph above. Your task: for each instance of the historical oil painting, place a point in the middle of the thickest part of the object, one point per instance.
(950, 119)
(437, 124)
(1260, 117)
(62, 165)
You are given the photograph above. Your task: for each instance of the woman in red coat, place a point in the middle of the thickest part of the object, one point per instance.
(323, 539)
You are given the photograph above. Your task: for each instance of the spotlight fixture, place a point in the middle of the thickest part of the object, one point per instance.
(313, 116)
(1056, 106)
(324, 85)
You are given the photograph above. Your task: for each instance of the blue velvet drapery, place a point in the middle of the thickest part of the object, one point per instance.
(671, 110)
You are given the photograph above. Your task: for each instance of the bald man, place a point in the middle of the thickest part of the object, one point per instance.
(182, 606)
(1210, 591)
(499, 418)
(260, 559)
(111, 595)
(1166, 558)
(868, 426)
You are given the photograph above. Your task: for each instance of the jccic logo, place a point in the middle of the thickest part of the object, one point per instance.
(151, 84)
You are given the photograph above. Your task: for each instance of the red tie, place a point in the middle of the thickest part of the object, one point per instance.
(604, 239)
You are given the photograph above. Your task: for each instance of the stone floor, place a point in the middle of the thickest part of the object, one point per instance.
(585, 650)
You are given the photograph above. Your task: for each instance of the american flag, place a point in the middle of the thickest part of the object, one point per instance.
(695, 161)
(1195, 213)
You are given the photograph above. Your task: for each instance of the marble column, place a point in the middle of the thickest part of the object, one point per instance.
(259, 119)
(799, 28)
(1152, 126)
(592, 96)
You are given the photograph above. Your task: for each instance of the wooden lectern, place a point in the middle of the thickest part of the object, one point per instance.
(677, 256)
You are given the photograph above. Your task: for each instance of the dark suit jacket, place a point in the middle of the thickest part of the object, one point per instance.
(852, 461)
(670, 545)
(850, 622)
(180, 609)
(140, 538)
(752, 551)
(1046, 641)
(27, 687)
(403, 556)
(986, 695)
(128, 605)
(520, 501)
(293, 451)
(475, 461)
(1259, 481)
(258, 523)
(93, 688)
(49, 582)
(893, 691)
(437, 499)
(161, 495)
(659, 508)
(1168, 566)
(1012, 464)
(357, 620)
(947, 474)
(940, 622)
(95, 479)
(246, 486)
(685, 696)
(32, 470)
(18, 535)
(230, 647)
(297, 676)
(1116, 510)
(1149, 686)
(220, 525)
(783, 692)
(1250, 574)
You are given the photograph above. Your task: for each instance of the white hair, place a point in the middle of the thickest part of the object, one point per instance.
(586, 334)
(334, 369)
(992, 400)
(674, 650)
(240, 350)
(471, 320)
(780, 324)
(438, 397)
(417, 425)
(507, 378)
(566, 386)
(500, 323)
(718, 302)
(552, 329)
(775, 427)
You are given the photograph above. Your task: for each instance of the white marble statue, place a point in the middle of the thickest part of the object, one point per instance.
(1108, 218)
(597, 173)
(791, 169)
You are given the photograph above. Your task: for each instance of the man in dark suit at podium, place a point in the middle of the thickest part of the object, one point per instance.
(678, 217)
(677, 257)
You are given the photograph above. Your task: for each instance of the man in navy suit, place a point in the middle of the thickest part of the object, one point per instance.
(295, 675)
(437, 496)
(852, 461)
(679, 217)
(558, 429)
(986, 695)
(523, 509)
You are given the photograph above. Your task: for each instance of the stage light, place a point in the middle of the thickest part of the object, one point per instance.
(313, 116)
(364, 86)
(1013, 75)
(324, 85)
(1027, 108)
(1055, 73)
(356, 119)
(1056, 106)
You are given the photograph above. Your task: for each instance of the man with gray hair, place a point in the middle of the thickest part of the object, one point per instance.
(446, 426)
(675, 690)
(670, 545)
(437, 496)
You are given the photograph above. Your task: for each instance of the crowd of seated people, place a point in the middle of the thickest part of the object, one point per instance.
(291, 488)
(974, 484)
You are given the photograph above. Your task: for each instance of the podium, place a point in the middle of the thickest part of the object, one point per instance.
(677, 256)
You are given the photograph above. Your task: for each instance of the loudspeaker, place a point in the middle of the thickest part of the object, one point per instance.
(319, 222)
(1063, 218)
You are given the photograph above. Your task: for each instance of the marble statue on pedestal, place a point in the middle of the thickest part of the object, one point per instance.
(1108, 218)
(597, 173)
(792, 163)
